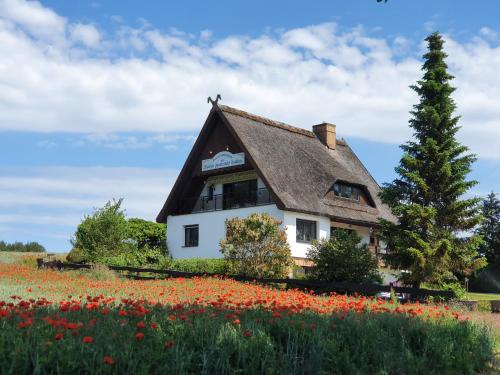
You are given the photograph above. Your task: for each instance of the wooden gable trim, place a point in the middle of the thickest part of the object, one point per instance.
(183, 177)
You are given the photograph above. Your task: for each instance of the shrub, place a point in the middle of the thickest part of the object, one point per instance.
(77, 255)
(256, 246)
(103, 233)
(147, 234)
(107, 237)
(343, 258)
(205, 265)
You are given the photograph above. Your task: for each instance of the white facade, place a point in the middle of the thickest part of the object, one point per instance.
(212, 229)
(299, 249)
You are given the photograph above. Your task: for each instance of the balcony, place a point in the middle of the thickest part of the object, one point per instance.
(219, 202)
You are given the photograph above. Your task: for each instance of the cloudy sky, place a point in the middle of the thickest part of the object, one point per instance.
(103, 99)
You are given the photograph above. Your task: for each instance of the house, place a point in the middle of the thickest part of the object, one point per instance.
(243, 164)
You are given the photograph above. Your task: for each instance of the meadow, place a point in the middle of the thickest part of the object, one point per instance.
(93, 322)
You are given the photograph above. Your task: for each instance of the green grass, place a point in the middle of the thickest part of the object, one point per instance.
(192, 339)
(482, 296)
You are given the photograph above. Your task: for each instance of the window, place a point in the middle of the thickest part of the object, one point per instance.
(191, 234)
(346, 191)
(306, 230)
(240, 194)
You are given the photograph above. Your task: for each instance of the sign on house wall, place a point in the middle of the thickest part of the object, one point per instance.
(223, 159)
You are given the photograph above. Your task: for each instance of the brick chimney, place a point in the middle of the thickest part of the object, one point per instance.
(327, 134)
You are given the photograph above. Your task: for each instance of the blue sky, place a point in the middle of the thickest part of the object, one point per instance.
(103, 99)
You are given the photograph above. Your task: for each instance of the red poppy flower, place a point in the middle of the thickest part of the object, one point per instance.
(248, 333)
(107, 360)
(154, 325)
(139, 336)
(88, 339)
(58, 337)
(140, 324)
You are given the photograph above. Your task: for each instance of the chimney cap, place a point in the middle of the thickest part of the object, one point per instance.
(326, 133)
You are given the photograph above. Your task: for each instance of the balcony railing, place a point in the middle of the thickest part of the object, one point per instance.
(218, 202)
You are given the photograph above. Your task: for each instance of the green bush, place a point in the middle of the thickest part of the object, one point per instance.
(77, 255)
(343, 258)
(108, 237)
(147, 234)
(256, 246)
(28, 247)
(205, 265)
(103, 233)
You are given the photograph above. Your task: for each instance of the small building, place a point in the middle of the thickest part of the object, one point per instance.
(242, 164)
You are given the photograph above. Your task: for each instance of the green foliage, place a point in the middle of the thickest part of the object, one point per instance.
(427, 197)
(103, 233)
(107, 237)
(204, 265)
(486, 280)
(209, 343)
(489, 230)
(28, 247)
(77, 255)
(147, 234)
(256, 246)
(343, 258)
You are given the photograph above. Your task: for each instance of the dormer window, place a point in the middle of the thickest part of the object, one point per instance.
(344, 190)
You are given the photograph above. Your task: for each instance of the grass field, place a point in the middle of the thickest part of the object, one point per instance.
(84, 322)
(483, 296)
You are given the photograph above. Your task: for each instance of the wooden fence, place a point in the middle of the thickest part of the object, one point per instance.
(407, 293)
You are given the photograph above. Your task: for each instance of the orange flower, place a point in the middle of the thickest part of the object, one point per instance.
(139, 336)
(88, 339)
(107, 360)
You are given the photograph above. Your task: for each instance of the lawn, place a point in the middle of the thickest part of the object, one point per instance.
(483, 296)
(86, 322)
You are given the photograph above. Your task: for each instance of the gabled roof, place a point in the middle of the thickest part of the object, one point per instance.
(297, 168)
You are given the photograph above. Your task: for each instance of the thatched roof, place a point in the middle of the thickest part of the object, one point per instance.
(300, 170)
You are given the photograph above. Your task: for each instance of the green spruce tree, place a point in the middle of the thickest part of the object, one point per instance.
(490, 230)
(430, 240)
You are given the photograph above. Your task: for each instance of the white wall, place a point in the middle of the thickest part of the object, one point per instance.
(290, 221)
(211, 230)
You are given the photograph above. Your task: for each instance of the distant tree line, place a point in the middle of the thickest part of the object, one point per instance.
(28, 247)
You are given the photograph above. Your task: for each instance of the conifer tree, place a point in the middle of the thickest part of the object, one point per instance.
(490, 230)
(430, 240)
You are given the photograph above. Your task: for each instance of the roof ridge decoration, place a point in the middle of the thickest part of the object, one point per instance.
(267, 121)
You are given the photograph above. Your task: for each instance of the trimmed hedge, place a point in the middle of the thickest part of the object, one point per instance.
(208, 265)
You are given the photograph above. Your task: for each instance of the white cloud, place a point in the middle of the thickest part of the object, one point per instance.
(63, 195)
(86, 34)
(39, 21)
(144, 79)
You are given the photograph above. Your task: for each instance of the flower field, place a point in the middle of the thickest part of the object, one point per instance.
(62, 322)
